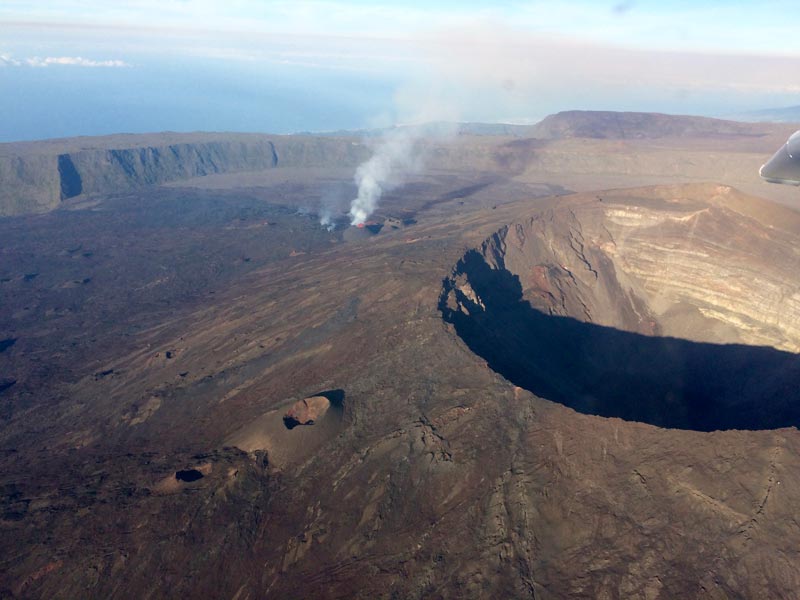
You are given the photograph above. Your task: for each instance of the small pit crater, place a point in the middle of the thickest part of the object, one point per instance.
(188, 475)
(312, 409)
(6, 344)
(291, 434)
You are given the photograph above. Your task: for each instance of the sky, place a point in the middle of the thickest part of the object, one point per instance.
(87, 67)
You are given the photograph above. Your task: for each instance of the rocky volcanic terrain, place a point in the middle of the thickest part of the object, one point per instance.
(676, 307)
(499, 389)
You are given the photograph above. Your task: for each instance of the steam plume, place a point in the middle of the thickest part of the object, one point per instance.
(326, 220)
(333, 202)
(394, 158)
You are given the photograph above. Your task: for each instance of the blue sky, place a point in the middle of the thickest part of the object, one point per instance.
(70, 67)
(735, 25)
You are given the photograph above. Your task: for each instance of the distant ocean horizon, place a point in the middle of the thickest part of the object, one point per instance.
(186, 95)
(68, 101)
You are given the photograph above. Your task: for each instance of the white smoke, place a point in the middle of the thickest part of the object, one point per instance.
(333, 204)
(393, 160)
(434, 103)
(431, 105)
(326, 220)
(398, 154)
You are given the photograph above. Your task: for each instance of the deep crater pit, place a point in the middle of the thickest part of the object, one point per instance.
(678, 312)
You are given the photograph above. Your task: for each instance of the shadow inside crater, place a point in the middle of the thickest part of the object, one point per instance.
(336, 408)
(668, 382)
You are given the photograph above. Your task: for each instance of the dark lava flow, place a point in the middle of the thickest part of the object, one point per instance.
(668, 382)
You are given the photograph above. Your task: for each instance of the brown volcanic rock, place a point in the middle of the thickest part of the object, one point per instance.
(306, 411)
(627, 125)
(671, 308)
(438, 477)
(683, 263)
(37, 176)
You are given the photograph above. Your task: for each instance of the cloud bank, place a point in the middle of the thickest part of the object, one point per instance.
(72, 61)
(766, 26)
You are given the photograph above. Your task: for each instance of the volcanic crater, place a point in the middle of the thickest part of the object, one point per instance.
(679, 309)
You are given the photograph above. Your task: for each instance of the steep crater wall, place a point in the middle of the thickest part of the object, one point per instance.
(36, 177)
(678, 308)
